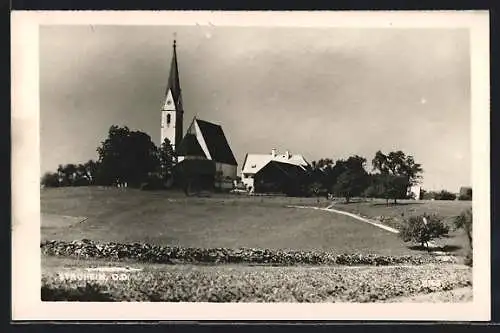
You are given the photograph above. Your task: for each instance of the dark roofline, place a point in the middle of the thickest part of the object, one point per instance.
(244, 162)
(211, 132)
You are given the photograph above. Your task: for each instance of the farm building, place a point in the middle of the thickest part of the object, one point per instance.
(254, 163)
(280, 177)
(203, 153)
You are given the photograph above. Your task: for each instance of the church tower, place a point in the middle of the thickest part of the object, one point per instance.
(172, 111)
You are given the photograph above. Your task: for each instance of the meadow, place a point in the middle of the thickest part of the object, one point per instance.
(169, 218)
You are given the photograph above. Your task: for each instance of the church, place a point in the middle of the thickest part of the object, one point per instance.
(204, 158)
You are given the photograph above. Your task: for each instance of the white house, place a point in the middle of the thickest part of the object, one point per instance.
(414, 192)
(255, 162)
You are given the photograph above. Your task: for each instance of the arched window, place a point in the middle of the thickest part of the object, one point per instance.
(168, 119)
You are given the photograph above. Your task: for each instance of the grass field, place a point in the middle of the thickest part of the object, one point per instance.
(394, 215)
(240, 283)
(404, 208)
(170, 218)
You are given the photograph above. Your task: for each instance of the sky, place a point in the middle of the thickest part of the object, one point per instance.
(319, 92)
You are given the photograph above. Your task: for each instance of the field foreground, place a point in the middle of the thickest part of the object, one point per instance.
(64, 279)
(168, 218)
(239, 249)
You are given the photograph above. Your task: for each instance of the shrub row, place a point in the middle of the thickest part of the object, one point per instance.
(167, 255)
(181, 283)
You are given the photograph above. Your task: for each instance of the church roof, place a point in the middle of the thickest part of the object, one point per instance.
(207, 140)
(216, 142)
(254, 162)
(190, 146)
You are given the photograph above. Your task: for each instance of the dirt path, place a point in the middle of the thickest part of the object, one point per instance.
(357, 217)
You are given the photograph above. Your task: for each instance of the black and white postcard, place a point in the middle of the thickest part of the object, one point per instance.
(264, 165)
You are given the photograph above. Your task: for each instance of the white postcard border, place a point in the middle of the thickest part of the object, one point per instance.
(26, 270)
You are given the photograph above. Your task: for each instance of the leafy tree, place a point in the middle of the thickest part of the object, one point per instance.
(322, 172)
(91, 168)
(444, 195)
(50, 179)
(465, 193)
(352, 177)
(126, 156)
(422, 229)
(315, 188)
(67, 174)
(167, 160)
(386, 186)
(399, 170)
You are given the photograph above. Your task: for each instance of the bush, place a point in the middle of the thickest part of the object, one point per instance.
(50, 179)
(422, 229)
(143, 252)
(465, 193)
(445, 195)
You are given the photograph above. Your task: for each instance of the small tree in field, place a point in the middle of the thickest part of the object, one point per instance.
(50, 179)
(423, 229)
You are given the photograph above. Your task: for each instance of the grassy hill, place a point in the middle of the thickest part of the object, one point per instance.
(170, 218)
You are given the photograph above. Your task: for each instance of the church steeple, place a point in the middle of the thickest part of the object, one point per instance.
(172, 110)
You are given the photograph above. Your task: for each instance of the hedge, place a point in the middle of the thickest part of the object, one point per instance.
(143, 252)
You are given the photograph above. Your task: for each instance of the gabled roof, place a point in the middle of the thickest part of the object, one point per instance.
(292, 171)
(254, 162)
(190, 146)
(216, 142)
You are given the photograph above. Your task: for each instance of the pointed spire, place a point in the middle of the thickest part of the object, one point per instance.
(173, 79)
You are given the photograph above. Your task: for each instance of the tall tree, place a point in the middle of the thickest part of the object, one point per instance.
(399, 171)
(350, 177)
(126, 156)
(167, 160)
(91, 168)
(50, 179)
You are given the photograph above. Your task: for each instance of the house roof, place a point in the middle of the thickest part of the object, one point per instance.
(190, 146)
(216, 142)
(254, 162)
(292, 171)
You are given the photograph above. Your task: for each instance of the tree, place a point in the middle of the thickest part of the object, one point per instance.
(465, 193)
(322, 172)
(352, 177)
(386, 186)
(91, 168)
(422, 229)
(50, 179)
(399, 170)
(67, 174)
(167, 160)
(314, 189)
(444, 195)
(126, 156)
